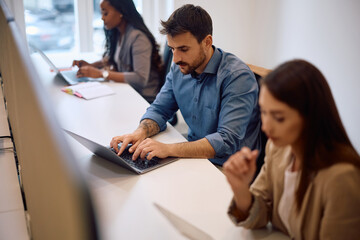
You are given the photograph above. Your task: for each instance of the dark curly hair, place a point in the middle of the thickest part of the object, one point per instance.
(131, 15)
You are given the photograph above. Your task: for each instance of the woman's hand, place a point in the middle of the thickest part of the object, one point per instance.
(89, 71)
(80, 63)
(241, 167)
(239, 170)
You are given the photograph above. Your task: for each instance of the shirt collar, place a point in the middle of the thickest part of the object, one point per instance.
(212, 66)
(214, 62)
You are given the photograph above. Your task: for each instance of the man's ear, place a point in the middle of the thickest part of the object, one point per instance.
(208, 41)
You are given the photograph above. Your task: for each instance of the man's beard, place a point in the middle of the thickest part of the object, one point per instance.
(197, 63)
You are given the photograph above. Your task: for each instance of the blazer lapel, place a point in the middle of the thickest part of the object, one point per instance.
(286, 155)
(303, 210)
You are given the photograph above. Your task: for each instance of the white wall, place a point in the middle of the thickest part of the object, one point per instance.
(17, 8)
(153, 12)
(324, 32)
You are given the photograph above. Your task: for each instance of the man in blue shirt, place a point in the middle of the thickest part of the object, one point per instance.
(215, 91)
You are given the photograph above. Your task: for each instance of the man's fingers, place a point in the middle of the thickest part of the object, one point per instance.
(134, 146)
(137, 152)
(144, 152)
(124, 144)
(150, 155)
(114, 143)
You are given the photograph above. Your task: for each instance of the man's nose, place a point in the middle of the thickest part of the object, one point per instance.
(176, 56)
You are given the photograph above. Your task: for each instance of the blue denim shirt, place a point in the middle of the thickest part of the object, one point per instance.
(220, 104)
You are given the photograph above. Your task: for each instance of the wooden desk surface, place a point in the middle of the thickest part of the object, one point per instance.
(193, 189)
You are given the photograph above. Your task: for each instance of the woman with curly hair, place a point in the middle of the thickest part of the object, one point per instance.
(131, 55)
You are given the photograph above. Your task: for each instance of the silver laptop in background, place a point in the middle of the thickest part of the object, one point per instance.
(139, 166)
(68, 76)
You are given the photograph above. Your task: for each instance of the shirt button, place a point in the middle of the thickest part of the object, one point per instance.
(195, 99)
(194, 117)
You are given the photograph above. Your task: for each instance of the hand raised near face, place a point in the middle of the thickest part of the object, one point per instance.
(240, 168)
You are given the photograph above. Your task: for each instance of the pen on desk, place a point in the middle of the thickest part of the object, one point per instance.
(67, 90)
(78, 94)
(62, 69)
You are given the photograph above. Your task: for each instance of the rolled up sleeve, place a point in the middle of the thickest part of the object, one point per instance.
(239, 98)
(164, 106)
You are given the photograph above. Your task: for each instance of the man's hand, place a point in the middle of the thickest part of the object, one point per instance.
(147, 128)
(134, 138)
(150, 148)
(239, 170)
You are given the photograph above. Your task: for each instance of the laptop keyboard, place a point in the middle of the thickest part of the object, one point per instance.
(138, 163)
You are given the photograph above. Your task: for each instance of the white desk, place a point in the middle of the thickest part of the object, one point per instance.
(193, 189)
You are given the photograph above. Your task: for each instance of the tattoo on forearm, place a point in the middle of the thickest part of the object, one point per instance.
(150, 126)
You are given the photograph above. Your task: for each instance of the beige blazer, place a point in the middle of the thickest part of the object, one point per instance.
(331, 206)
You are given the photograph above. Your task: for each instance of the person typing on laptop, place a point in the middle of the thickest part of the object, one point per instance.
(131, 55)
(215, 91)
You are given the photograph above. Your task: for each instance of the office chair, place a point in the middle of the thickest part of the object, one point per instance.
(263, 139)
(259, 73)
(167, 60)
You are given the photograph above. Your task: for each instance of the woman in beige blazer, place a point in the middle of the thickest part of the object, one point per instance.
(309, 186)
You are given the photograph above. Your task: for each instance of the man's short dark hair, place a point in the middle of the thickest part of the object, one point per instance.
(188, 18)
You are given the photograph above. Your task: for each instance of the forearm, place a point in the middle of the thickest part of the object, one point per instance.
(148, 127)
(236, 214)
(98, 64)
(243, 200)
(116, 76)
(196, 149)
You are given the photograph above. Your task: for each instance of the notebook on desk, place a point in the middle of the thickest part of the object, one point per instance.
(88, 90)
(68, 76)
(138, 166)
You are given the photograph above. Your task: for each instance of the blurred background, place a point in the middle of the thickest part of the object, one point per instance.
(260, 32)
(51, 24)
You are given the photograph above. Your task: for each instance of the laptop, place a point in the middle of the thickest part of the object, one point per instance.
(138, 166)
(68, 76)
(185, 228)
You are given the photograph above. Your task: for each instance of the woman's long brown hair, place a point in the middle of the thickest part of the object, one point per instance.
(303, 87)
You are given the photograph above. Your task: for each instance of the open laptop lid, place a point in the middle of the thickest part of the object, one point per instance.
(43, 55)
(68, 76)
(184, 227)
(109, 155)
